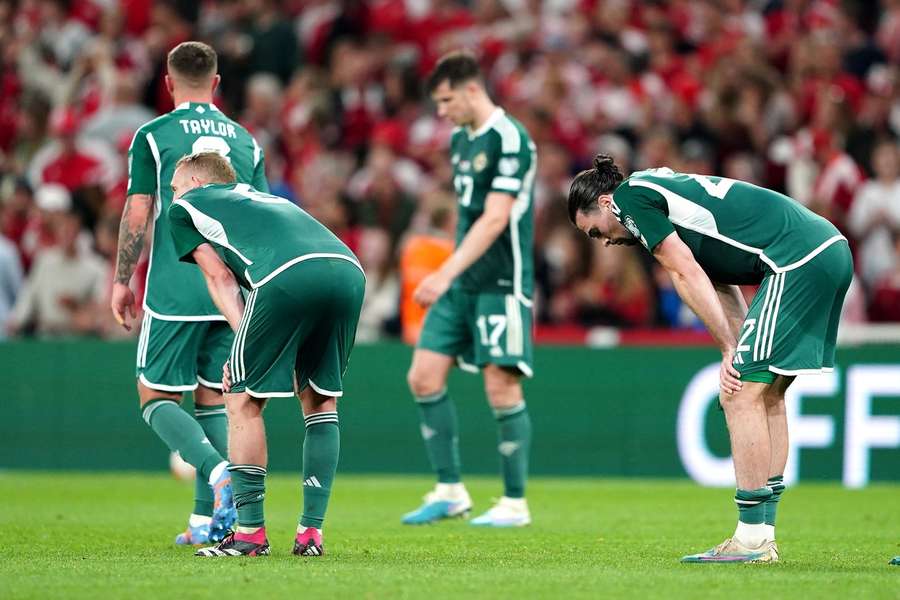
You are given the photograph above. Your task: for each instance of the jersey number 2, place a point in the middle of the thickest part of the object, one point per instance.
(210, 143)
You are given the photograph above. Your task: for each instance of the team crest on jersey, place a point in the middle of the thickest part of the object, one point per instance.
(479, 162)
(464, 165)
(632, 227)
(508, 166)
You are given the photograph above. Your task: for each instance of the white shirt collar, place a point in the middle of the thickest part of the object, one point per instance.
(186, 105)
(486, 126)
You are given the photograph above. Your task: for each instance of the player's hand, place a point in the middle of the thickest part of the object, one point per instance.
(430, 289)
(226, 378)
(729, 378)
(122, 300)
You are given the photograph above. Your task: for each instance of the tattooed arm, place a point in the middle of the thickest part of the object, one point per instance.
(135, 219)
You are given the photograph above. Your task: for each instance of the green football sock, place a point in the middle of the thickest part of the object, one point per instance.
(182, 434)
(441, 434)
(752, 505)
(321, 448)
(514, 432)
(777, 484)
(214, 421)
(249, 485)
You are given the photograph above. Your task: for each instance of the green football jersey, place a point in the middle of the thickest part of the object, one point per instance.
(498, 157)
(738, 232)
(257, 235)
(176, 291)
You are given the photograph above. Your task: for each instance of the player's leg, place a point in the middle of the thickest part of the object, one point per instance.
(502, 327)
(747, 416)
(166, 368)
(776, 416)
(321, 449)
(258, 370)
(210, 412)
(249, 458)
(445, 335)
(504, 393)
(322, 358)
(751, 450)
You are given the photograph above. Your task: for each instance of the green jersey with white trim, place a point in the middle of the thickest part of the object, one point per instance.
(175, 291)
(498, 157)
(738, 232)
(258, 235)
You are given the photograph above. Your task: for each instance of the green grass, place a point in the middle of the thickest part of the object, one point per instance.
(109, 536)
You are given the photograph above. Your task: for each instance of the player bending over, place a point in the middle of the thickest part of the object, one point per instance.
(712, 234)
(295, 332)
(480, 298)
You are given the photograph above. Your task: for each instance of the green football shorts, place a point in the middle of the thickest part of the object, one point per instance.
(792, 324)
(480, 329)
(301, 324)
(174, 356)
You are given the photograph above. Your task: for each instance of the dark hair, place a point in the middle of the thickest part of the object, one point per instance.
(455, 67)
(588, 185)
(196, 62)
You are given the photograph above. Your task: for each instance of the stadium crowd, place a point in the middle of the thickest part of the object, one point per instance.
(802, 96)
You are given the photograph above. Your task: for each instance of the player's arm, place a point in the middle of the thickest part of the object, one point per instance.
(223, 287)
(695, 288)
(484, 231)
(733, 304)
(133, 227)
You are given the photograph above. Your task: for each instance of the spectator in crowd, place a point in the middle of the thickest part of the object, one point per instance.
(421, 254)
(794, 96)
(885, 304)
(380, 307)
(10, 280)
(64, 292)
(875, 215)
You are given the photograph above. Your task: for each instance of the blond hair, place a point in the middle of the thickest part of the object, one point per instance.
(213, 165)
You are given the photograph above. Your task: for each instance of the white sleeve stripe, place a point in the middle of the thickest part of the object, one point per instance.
(257, 151)
(507, 183)
(510, 138)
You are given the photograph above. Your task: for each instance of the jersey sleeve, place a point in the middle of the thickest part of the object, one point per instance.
(141, 166)
(643, 212)
(513, 163)
(184, 235)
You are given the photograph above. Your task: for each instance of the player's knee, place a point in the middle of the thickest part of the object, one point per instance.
(243, 406)
(147, 395)
(502, 389)
(421, 382)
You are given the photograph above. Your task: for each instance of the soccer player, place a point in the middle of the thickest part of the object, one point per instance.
(712, 234)
(298, 325)
(184, 338)
(480, 298)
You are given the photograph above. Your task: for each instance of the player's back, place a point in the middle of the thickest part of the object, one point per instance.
(156, 148)
(258, 234)
(737, 231)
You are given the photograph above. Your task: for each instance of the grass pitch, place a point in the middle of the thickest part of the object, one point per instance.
(109, 536)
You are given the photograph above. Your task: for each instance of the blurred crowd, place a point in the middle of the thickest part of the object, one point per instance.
(802, 96)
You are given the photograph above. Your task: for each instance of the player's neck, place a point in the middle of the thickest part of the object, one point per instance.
(195, 96)
(482, 110)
